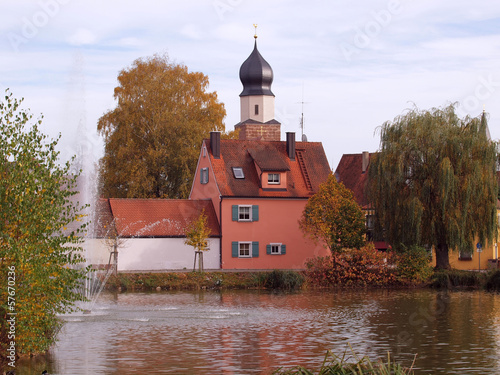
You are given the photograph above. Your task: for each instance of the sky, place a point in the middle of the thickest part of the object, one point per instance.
(347, 65)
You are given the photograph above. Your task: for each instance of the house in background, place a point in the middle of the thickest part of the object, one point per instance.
(150, 234)
(352, 171)
(259, 185)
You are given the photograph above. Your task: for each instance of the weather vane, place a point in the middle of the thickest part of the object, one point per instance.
(255, 25)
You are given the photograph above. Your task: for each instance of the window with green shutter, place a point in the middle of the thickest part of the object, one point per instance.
(245, 213)
(276, 249)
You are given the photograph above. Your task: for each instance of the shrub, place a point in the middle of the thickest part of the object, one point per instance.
(365, 266)
(287, 280)
(493, 282)
(457, 278)
(413, 265)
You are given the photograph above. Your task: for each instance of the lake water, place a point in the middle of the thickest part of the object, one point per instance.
(251, 332)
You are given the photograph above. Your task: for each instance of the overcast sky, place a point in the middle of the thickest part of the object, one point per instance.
(354, 63)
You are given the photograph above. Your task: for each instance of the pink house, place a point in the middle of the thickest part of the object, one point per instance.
(259, 185)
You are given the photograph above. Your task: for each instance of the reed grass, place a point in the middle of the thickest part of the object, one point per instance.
(344, 365)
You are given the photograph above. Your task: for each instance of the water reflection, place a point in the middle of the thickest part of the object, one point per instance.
(257, 332)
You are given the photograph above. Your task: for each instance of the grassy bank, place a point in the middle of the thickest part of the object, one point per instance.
(276, 279)
(457, 279)
(289, 280)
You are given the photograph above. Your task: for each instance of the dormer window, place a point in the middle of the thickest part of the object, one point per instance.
(238, 173)
(273, 178)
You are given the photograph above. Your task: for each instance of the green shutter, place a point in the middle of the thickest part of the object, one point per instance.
(268, 249)
(255, 213)
(235, 212)
(234, 249)
(255, 249)
(283, 249)
(201, 176)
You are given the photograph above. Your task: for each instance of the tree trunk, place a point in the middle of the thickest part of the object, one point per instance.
(442, 258)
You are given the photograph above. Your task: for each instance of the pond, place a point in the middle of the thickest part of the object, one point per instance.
(252, 332)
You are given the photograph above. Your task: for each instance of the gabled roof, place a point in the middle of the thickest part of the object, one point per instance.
(160, 217)
(304, 174)
(350, 173)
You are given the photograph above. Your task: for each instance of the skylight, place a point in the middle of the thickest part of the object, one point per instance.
(238, 172)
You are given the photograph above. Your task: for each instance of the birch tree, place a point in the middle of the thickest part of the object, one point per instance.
(153, 136)
(39, 255)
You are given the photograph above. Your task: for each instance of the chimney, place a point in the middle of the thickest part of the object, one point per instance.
(290, 145)
(215, 144)
(365, 161)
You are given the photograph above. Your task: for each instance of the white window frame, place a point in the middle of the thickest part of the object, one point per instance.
(249, 243)
(237, 170)
(249, 212)
(278, 245)
(273, 181)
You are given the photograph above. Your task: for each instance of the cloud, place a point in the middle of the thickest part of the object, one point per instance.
(192, 31)
(82, 37)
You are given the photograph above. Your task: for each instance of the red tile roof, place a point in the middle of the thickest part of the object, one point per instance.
(350, 173)
(160, 217)
(269, 156)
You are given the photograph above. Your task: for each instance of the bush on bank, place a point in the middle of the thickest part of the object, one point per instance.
(368, 267)
(493, 282)
(450, 279)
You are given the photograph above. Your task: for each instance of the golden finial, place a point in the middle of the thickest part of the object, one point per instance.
(255, 25)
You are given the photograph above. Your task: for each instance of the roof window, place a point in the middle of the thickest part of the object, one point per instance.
(238, 172)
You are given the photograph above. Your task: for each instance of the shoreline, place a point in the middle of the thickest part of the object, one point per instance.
(284, 280)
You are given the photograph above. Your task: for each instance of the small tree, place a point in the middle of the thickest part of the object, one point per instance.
(38, 253)
(196, 236)
(333, 217)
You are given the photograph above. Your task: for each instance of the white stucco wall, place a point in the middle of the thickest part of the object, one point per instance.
(96, 251)
(150, 254)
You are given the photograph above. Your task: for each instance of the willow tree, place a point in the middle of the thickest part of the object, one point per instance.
(433, 183)
(153, 136)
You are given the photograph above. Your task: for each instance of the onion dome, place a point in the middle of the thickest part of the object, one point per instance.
(256, 75)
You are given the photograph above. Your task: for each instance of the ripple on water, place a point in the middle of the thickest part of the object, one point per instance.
(242, 332)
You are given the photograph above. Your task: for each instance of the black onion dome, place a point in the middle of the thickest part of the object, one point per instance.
(256, 75)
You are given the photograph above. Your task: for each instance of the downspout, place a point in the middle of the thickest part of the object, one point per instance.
(220, 228)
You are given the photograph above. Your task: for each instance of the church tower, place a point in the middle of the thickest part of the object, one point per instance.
(257, 100)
